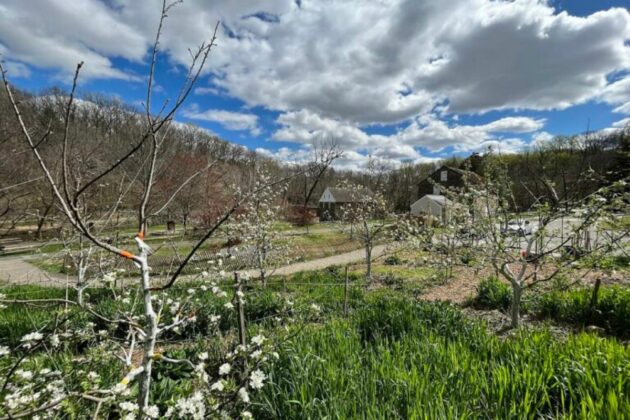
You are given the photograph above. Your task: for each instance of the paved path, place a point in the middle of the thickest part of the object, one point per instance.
(15, 270)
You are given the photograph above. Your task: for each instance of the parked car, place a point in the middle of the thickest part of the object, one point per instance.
(519, 227)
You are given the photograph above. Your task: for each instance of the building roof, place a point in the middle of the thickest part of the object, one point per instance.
(440, 199)
(473, 176)
(348, 195)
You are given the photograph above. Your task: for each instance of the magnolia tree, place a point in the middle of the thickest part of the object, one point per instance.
(367, 216)
(555, 234)
(258, 228)
(116, 348)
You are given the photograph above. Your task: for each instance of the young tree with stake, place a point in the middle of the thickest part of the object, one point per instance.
(160, 314)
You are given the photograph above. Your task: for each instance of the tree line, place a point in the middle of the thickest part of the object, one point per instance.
(102, 128)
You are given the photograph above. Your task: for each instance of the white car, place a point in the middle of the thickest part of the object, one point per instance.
(519, 227)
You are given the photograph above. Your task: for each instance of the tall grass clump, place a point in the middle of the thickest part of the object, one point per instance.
(401, 359)
(492, 293)
(611, 311)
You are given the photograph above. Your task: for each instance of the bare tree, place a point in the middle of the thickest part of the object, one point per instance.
(322, 157)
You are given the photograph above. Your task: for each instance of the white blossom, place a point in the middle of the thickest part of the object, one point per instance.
(258, 339)
(243, 395)
(217, 386)
(193, 406)
(24, 374)
(257, 378)
(152, 412)
(224, 369)
(34, 336)
(128, 406)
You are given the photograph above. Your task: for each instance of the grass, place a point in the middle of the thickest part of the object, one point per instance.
(492, 293)
(391, 357)
(612, 311)
(399, 359)
(319, 243)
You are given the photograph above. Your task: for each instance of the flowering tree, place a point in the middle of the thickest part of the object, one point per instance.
(556, 234)
(367, 216)
(258, 227)
(126, 335)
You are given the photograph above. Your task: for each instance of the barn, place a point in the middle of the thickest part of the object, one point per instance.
(334, 201)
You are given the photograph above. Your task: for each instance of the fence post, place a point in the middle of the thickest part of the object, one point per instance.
(241, 310)
(345, 293)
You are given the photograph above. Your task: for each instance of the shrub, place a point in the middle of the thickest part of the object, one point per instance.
(391, 280)
(492, 293)
(392, 260)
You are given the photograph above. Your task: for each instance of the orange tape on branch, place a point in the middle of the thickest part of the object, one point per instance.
(126, 254)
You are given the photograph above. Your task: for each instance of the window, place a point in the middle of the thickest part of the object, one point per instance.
(443, 176)
(436, 190)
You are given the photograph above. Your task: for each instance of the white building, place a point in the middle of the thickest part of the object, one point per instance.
(437, 206)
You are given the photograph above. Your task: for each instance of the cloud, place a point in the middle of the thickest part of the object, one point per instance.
(618, 93)
(514, 125)
(350, 160)
(237, 121)
(58, 34)
(436, 135)
(621, 123)
(377, 62)
(428, 132)
(623, 109)
(337, 67)
(540, 138)
(521, 54)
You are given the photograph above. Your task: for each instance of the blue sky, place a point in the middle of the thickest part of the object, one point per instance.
(397, 80)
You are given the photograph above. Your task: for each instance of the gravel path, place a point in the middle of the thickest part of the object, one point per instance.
(16, 270)
(321, 263)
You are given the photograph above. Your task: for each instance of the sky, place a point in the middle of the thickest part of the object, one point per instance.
(396, 80)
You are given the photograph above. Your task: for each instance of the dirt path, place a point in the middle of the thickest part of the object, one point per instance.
(16, 270)
(321, 263)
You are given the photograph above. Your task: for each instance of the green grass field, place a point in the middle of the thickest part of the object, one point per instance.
(390, 357)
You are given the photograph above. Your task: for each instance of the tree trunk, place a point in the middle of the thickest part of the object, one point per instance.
(151, 337)
(42, 219)
(81, 284)
(368, 261)
(262, 256)
(515, 311)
